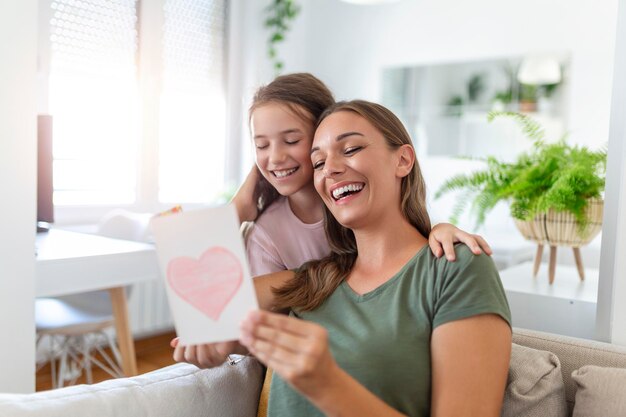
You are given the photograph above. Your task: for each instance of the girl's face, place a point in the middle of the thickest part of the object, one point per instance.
(282, 140)
(355, 171)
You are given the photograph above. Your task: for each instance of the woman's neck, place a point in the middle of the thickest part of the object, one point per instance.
(388, 246)
(307, 205)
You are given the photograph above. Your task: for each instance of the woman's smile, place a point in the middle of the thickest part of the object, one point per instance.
(345, 191)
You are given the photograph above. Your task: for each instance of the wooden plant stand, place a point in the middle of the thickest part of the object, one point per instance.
(552, 262)
(561, 229)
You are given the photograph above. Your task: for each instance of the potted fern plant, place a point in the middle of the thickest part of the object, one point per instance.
(554, 191)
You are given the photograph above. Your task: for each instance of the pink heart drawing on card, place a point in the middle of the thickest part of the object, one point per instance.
(209, 283)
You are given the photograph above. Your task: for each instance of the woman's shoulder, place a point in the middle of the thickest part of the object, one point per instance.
(440, 273)
(464, 258)
(468, 286)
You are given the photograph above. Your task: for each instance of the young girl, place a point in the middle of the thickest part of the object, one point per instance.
(289, 229)
(380, 327)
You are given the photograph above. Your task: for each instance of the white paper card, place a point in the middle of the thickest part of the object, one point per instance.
(202, 257)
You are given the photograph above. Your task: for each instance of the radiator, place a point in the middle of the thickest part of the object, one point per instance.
(148, 308)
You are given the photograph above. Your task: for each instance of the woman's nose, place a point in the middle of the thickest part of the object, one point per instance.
(332, 167)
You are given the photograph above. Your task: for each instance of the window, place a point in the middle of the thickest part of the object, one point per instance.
(93, 99)
(192, 111)
(122, 140)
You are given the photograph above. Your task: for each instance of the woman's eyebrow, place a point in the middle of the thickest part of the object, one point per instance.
(338, 139)
(345, 135)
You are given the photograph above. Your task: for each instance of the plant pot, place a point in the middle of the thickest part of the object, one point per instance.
(561, 229)
(527, 106)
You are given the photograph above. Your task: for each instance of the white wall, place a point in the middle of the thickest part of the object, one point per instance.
(347, 45)
(248, 68)
(18, 52)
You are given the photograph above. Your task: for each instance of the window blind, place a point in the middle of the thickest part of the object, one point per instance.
(192, 107)
(93, 99)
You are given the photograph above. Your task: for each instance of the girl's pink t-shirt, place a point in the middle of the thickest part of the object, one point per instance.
(279, 240)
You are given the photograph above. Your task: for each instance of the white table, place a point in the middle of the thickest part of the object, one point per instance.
(70, 262)
(567, 307)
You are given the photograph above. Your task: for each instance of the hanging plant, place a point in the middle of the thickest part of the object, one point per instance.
(280, 15)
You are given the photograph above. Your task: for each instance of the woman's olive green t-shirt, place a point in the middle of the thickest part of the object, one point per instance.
(382, 338)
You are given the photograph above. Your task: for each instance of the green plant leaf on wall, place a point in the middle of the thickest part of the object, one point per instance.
(280, 16)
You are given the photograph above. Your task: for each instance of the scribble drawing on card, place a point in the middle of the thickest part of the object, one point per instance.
(208, 283)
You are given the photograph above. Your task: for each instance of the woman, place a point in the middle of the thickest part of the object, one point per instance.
(289, 229)
(381, 327)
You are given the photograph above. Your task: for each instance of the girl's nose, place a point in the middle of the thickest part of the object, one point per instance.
(277, 156)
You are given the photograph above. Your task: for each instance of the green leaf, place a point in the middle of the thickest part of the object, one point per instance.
(555, 176)
(530, 127)
(279, 14)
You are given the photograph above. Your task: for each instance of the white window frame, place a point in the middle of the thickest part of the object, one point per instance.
(611, 309)
(150, 29)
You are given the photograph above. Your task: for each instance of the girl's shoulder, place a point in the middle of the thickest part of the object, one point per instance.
(273, 212)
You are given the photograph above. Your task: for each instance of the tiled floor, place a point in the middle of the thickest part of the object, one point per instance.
(152, 353)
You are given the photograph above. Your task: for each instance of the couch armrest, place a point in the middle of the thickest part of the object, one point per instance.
(178, 390)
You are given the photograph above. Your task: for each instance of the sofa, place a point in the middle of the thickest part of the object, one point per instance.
(549, 376)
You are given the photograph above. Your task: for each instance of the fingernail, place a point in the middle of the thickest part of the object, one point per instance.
(174, 342)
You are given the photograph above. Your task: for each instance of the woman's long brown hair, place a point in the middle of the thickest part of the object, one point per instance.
(316, 280)
(307, 97)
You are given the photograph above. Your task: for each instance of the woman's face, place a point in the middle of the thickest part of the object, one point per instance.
(282, 140)
(355, 171)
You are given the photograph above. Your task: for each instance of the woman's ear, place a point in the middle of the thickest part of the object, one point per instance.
(406, 160)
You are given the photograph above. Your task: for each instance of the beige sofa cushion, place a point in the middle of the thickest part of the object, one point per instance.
(178, 390)
(535, 385)
(601, 392)
(573, 354)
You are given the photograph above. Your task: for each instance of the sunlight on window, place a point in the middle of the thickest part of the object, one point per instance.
(192, 110)
(191, 147)
(93, 99)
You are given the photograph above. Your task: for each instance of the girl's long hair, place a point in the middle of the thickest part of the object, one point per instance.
(316, 280)
(307, 97)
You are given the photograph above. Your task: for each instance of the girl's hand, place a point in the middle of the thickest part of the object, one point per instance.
(205, 356)
(444, 235)
(244, 197)
(297, 350)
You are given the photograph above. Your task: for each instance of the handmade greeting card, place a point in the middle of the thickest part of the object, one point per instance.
(209, 287)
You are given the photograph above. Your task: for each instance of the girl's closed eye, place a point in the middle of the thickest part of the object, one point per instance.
(291, 141)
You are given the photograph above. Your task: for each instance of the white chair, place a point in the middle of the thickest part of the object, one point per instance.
(78, 326)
